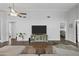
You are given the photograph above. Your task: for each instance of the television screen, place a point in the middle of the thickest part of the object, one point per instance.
(39, 29)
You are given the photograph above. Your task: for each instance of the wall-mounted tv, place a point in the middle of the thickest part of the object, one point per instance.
(39, 29)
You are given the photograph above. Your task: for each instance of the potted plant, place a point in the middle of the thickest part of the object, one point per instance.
(21, 35)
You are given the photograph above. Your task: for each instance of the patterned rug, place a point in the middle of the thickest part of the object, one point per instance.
(31, 50)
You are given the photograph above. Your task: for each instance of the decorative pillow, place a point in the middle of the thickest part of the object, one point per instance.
(39, 37)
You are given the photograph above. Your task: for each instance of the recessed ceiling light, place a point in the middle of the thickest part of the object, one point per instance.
(48, 17)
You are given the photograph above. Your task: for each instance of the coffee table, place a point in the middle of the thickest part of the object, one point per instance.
(40, 47)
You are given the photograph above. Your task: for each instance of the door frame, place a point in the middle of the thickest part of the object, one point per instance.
(76, 33)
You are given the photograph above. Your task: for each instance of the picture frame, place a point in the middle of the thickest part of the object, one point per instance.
(62, 26)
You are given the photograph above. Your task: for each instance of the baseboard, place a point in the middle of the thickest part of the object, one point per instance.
(15, 42)
(3, 43)
(67, 42)
(21, 43)
(51, 42)
(54, 42)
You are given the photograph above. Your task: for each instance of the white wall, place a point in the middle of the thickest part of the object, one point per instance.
(3, 27)
(39, 17)
(72, 15)
(0, 28)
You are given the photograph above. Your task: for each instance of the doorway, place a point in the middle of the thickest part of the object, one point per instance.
(62, 32)
(12, 34)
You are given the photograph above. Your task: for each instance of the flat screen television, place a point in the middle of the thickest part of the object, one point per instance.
(39, 29)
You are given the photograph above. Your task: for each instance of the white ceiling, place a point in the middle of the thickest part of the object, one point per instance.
(38, 6)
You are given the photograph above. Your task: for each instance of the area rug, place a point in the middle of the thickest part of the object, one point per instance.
(31, 50)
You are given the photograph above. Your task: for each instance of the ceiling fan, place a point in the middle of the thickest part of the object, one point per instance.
(13, 12)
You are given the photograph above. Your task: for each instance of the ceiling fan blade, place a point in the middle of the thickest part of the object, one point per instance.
(12, 10)
(23, 13)
(19, 15)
